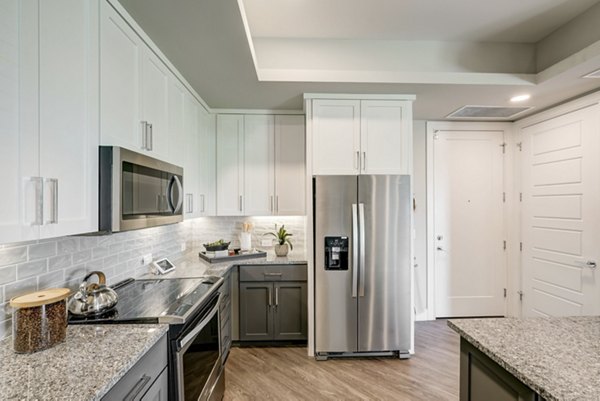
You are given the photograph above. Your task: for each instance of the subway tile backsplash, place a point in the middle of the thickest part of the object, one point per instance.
(64, 261)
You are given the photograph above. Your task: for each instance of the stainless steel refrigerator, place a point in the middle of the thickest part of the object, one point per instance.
(362, 235)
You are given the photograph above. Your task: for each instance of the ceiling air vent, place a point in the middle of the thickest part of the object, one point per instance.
(488, 112)
(593, 74)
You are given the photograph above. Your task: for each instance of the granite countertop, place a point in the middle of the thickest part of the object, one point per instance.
(559, 358)
(85, 367)
(190, 265)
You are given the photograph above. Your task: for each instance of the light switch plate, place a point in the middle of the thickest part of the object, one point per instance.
(147, 259)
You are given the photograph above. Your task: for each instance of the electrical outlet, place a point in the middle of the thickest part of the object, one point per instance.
(266, 242)
(147, 259)
(183, 247)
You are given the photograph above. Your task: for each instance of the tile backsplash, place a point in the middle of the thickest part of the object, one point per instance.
(63, 262)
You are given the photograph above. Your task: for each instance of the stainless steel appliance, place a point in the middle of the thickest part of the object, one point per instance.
(191, 307)
(137, 191)
(362, 231)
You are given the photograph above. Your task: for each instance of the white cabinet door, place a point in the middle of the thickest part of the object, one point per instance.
(230, 165)
(336, 137)
(177, 134)
(207, 154)
(155, 81)
(68, 125)
(384, 145)
(19, 121)
(191, 205)
(120, 122)
(290, 166)
(259, 175)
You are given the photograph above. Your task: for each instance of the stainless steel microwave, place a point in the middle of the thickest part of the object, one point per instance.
(137, 191)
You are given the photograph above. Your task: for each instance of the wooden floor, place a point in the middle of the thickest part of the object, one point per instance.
(289, 374)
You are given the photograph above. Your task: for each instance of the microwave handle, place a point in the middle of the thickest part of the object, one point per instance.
(175, 181)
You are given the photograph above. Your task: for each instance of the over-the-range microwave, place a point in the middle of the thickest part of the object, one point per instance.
(137, 191)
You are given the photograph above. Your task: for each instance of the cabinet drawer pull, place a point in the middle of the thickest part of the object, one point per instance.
(137, 389)
(144, 135)
(273, 274)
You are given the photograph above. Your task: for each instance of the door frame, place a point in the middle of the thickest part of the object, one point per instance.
(432, 128)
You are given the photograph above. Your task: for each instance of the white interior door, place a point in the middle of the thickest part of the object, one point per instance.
(469, 261)
(560, 215)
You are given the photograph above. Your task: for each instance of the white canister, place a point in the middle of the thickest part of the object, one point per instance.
(245, 241)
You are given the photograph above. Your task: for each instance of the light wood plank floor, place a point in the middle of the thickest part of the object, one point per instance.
(289, 374)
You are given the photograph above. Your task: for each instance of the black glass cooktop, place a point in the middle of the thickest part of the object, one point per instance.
(156, 301)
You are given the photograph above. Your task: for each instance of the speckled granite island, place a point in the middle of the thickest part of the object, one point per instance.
(85, 367)
(551, 358)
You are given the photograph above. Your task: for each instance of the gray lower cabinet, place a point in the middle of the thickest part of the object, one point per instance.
(482, 379)
(147, 380)
(273, 303)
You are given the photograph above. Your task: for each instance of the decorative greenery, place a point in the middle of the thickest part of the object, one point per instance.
(282, 236)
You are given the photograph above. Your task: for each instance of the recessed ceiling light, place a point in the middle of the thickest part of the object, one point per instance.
(593, 74)
(520, 98)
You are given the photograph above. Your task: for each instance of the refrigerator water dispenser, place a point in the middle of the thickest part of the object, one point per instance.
(336, 253)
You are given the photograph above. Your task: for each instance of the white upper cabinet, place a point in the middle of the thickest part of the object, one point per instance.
(68, 102)
(121, 49)
(290, 165)
(384, 136)
(351, 137)
(133, 91)
(259, 174)
(207, 153)
(191, 160)
(177, 133)
(230, 165)
(48, 118)
(19, 214)
(336, 137)
(155, 83)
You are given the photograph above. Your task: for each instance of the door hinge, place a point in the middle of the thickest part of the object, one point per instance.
(521, 246)
(503, 147)
(520, 295)
(504, 197)
(520, 146)
(505, 293)
(504, 244)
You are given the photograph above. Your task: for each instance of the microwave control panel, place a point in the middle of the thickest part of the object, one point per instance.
(336, 253)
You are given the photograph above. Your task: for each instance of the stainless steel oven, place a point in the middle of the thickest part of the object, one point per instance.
(137, 191)
(197, 357)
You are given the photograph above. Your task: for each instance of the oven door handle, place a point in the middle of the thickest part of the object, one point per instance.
(190, 337)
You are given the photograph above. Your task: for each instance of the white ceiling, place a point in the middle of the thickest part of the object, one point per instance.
(519, 21)
(206, 40)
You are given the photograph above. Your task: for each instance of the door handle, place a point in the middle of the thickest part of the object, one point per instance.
(54, 200)
(277, 203)
(364, 163)
(354, 251)
(270, 297)
(144, 135)
(39, 201)
(151, 136)
(588, 263)
(276, 297)
(241, 209)
(361, 225)
(137, 389)
(203, 207)
(357, 164)
(272, 204)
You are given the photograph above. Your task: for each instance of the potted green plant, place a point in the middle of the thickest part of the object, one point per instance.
(284, 244)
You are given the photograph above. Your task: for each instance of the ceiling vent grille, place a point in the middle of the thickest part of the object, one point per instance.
(487, 112)
(593, 74)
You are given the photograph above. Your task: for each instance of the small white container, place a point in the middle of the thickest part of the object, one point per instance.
(245, 241)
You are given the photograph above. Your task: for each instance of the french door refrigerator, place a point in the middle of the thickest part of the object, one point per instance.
(362, 235)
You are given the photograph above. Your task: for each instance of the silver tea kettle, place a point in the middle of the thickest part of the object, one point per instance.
(93, 298)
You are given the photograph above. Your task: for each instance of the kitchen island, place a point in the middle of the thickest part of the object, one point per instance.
(529, 359)
(83, 368)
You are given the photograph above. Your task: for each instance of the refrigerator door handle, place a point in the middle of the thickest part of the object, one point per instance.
(354, 251)
(361, 225)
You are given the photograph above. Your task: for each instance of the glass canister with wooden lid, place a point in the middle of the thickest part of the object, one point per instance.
(39, 320)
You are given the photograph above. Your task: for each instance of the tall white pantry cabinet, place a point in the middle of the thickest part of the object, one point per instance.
(49, 121)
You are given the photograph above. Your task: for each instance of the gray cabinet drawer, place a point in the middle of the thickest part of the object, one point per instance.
(273, 273)
(142, 375)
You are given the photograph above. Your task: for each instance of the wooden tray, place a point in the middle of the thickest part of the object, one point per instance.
(241, 256)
